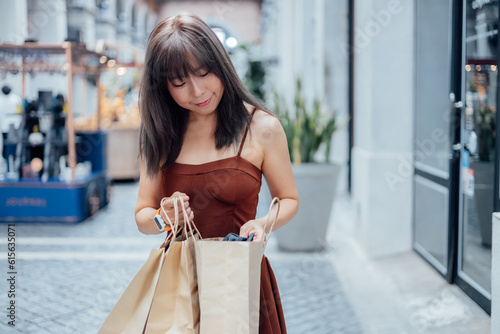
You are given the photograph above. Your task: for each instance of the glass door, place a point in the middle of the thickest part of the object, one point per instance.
(433, 186)
(478, 128)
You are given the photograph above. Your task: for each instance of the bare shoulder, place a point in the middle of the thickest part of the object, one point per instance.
(265, 119)
(266, 127)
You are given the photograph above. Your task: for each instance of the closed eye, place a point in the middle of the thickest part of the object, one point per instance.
(178, 83)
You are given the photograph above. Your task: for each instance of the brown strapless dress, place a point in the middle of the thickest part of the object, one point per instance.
(223, 195)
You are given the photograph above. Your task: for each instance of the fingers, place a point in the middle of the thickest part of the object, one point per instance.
(247, 229)
(258, 237)
(244, 232)
(254, 227)
(189, 213)
(168, 202)
(168, 206)
(179, 194)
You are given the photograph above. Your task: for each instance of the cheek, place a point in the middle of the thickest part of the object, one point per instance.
(217, 83)
(176, 95)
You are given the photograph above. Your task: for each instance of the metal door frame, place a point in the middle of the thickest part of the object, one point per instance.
(448, 271)
(473, 290)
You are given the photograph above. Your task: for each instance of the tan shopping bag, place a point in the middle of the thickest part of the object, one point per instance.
(229, 283)
(156, 284)
(130, 313)
(175, 307)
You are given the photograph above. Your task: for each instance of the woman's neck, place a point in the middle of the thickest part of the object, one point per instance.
(201, 125)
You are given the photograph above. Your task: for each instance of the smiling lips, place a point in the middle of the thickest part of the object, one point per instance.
(204, 103)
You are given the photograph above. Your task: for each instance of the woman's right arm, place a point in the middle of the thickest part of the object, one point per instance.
(148, 201)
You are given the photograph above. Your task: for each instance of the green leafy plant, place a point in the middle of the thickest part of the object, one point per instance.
(487, 132)
(255, 75)
(305, 129)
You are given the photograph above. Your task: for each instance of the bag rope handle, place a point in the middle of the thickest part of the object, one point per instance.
(167, 241)
(174, 227)
(190, 226)
(275, 200)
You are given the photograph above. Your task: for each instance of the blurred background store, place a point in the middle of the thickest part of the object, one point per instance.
(69, 115)
(412, 84)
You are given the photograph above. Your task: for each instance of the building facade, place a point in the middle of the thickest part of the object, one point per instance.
(456, 159)
(418, 79)
(99, 25)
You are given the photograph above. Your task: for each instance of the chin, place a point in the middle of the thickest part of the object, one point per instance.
(201, 111)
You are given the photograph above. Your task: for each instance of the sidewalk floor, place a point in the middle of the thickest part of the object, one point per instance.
(70, 276)
(400, 294)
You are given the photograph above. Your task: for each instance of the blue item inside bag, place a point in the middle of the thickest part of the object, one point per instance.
(235, 237)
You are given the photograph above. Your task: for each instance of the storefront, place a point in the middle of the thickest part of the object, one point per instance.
(456, 150)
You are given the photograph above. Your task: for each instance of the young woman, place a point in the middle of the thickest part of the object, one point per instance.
(206, 138)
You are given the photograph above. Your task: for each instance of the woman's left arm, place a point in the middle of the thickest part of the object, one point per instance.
(277, 170)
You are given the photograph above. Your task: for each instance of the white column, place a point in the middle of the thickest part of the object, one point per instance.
(47, 21)
(294, 36)
(13, 30)
(282, 44)
(295, 24)
(383, 123)
(335, 22)
(151, 21)
(319, 47)
(106, 21)
(13, 21)
(124, 20)
(305, 67)
(82, 16)
(495, 275)
(140, 37)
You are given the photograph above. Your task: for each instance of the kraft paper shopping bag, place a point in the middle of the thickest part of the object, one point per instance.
(130, 313)
(228, 275)
(175, 307)
(162, 297)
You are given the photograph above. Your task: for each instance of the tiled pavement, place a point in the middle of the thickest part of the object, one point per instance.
(70, 276)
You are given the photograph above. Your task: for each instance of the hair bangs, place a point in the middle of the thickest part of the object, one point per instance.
(186, 56)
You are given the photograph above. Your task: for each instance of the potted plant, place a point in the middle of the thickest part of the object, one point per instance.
(308, 130)
(255, 75)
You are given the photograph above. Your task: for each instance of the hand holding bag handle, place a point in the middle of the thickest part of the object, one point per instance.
(190, 227)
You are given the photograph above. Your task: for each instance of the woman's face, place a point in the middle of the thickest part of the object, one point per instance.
(200, 92)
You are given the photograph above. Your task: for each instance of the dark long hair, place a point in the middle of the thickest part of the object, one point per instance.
(163, 121)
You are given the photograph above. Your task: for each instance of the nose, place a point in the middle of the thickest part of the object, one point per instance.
(197, 87)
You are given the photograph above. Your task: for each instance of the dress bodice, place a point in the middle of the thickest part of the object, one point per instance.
(223, 194)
